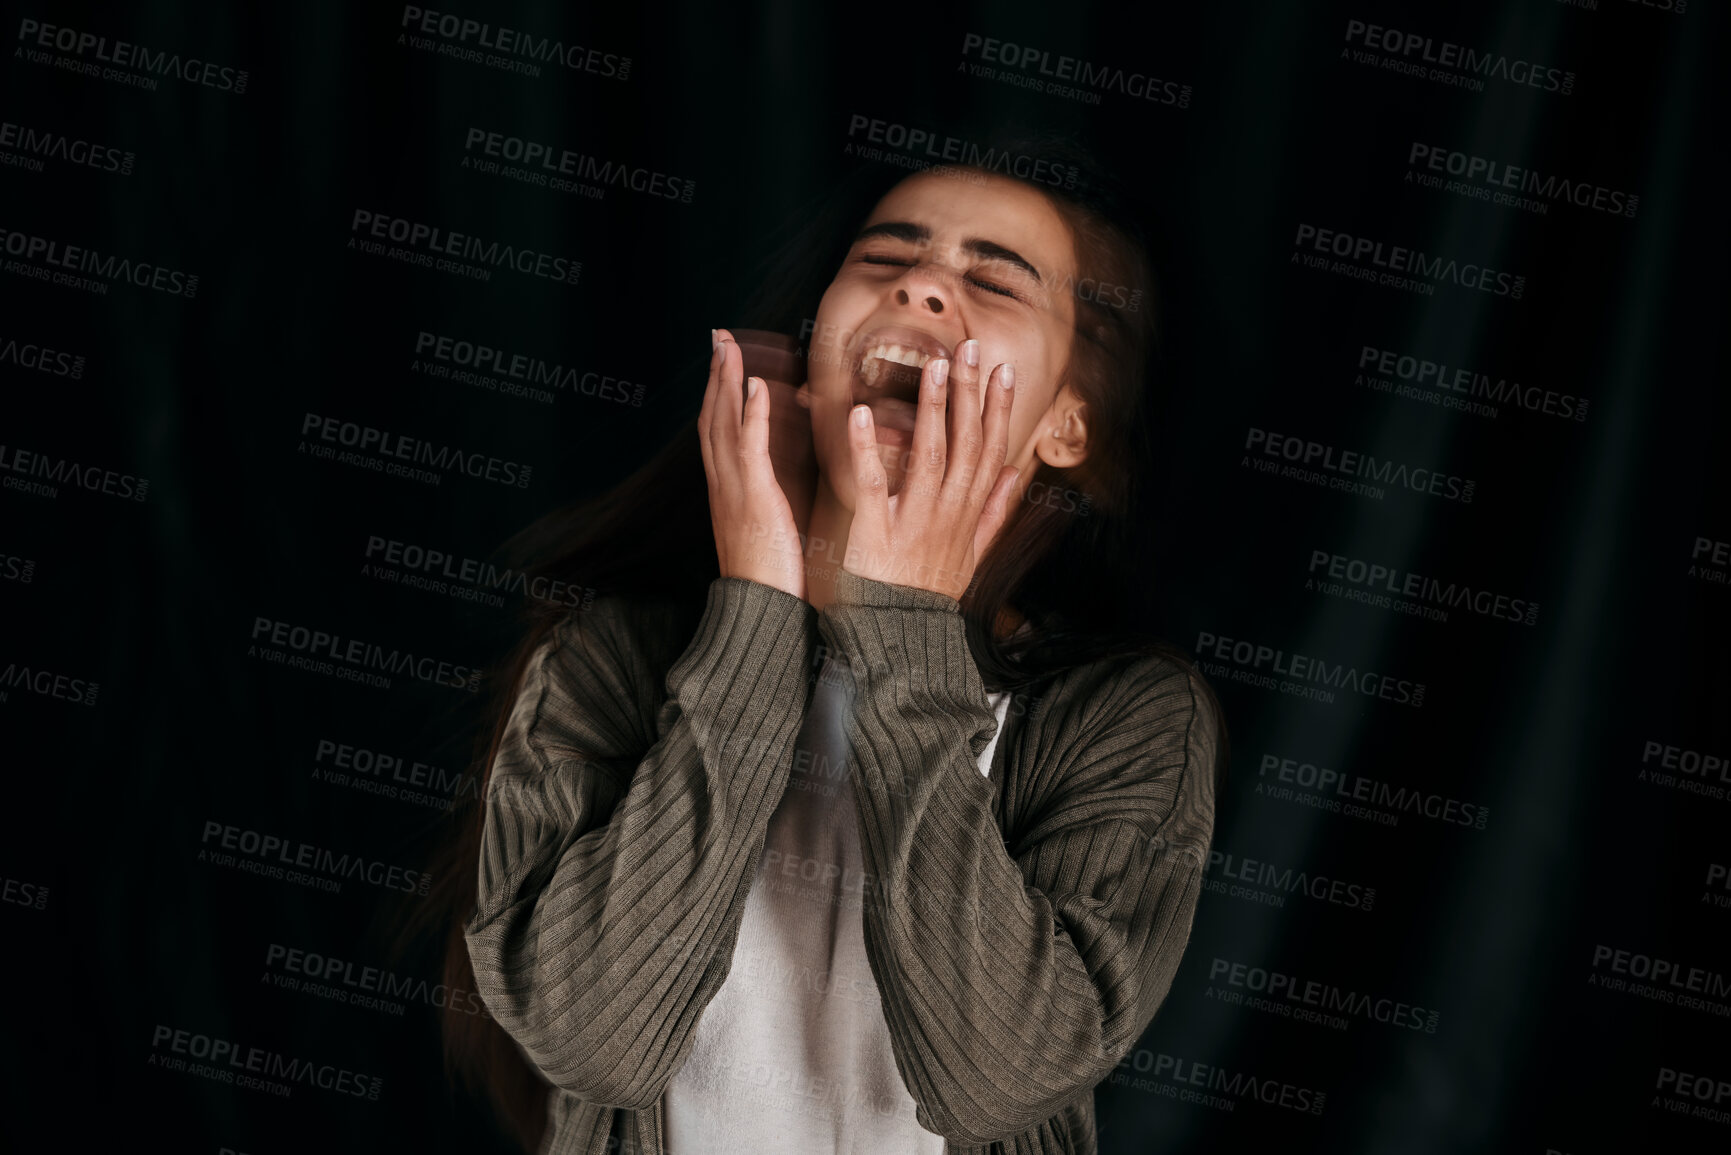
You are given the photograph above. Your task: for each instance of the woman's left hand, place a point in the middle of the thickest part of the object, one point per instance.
(955, 492)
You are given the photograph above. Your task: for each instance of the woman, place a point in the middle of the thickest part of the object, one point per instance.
(772, 864)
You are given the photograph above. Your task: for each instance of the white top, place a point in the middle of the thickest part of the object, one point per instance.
(792, 1056)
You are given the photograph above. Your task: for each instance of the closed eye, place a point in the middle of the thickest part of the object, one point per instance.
(988, 286)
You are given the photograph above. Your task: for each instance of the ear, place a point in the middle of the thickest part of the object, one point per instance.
(1061, 439)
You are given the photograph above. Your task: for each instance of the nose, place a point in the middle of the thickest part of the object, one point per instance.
(932, 302)
(925, 286)
(935, 304)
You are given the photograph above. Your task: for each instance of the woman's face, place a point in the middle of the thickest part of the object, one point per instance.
(942, 259)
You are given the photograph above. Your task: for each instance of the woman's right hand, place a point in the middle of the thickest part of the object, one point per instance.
(755, 535)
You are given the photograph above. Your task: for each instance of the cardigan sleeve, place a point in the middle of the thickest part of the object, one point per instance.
(620, 839)
(1015, 977)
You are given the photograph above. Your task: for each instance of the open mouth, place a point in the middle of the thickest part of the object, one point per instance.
(887, 371)
(892, 369)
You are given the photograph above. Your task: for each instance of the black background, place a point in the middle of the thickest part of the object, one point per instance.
(1545, 725)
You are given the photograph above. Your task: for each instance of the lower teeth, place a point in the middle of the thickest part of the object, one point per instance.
(876, 371)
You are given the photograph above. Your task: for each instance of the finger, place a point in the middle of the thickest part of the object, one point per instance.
(996, 511)
(966, 391)
(707, 409)
(931, 430)
(1000, 398)
(965, 373)
(779, 535)
(725, 419)
(732, 399)
(754, 431)
(871, 490)
(706, 414)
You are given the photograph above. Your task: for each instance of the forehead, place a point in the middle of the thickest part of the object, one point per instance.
(971, 204)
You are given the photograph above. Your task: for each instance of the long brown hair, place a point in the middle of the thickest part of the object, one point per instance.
(1069, 560)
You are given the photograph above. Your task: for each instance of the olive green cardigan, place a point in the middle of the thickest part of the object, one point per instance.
(1024, 928)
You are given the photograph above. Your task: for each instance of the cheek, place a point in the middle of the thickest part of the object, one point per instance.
(1028, 417)
(1022, 427)
(838, 315)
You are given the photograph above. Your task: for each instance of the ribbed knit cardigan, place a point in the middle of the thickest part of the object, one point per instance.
(1022, 929)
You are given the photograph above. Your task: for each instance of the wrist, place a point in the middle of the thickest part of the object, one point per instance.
(856, 589)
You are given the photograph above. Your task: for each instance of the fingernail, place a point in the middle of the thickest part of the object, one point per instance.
(1007, 375)
(971, 354)
(750, 387)
(861, 415)
(714, 341)
(940, 371)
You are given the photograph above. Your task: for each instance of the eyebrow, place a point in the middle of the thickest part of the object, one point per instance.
(920, 234)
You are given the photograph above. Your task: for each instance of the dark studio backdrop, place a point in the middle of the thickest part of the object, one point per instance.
(1470, 889)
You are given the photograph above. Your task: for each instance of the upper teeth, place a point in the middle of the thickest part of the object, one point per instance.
(900, 354)
(875, 356)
